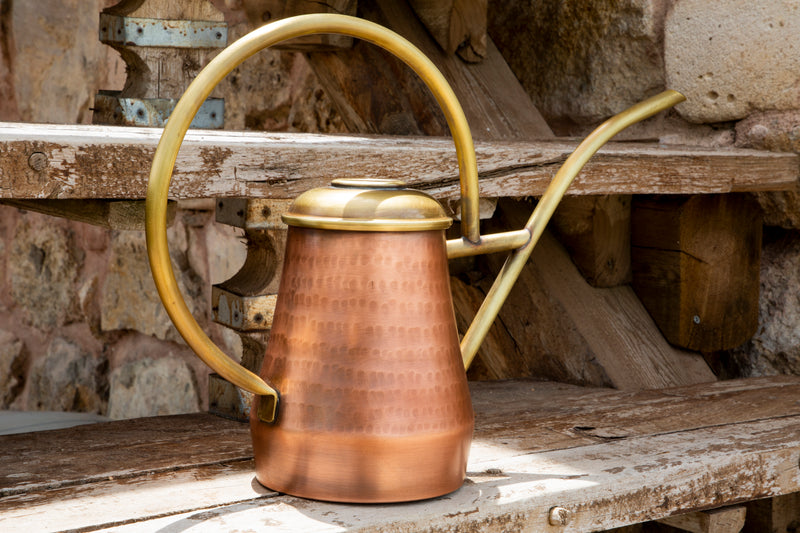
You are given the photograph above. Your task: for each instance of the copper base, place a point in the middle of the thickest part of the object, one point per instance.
(344, 468)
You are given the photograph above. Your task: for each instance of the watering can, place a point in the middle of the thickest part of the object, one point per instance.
(362, 396)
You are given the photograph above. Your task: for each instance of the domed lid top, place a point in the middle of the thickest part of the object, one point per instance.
(367, 205)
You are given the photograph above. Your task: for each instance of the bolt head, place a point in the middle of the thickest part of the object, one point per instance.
(37, 161)
(559, 516)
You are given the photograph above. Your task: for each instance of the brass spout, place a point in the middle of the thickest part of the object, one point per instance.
(544, 210)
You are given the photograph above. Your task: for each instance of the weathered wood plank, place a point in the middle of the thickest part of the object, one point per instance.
(110, 214)
(600, 486)
(85, 454)
(375, 92)
(260, 12)
(673, 451)
(459, 26)
(113, 501)
(550, 416)
(113, 162)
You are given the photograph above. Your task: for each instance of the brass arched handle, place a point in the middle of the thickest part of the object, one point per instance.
(187, 107)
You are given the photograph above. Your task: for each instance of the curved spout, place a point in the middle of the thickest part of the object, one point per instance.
(545, 209)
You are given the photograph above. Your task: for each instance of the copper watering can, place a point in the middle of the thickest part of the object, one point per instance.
(362, 396)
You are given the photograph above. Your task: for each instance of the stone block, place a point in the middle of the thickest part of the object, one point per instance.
(775, 348)
(581, 61)
(57, 59)
(152, 387)
(68, 378)
(12, 363)
(733, 57)
(130, 301)
(43, 264)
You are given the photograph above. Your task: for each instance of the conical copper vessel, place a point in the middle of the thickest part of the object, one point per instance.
(374, 400)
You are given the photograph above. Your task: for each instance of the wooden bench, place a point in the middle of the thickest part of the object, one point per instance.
(545, 457)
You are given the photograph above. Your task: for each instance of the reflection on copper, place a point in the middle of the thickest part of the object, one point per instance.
(364, 349)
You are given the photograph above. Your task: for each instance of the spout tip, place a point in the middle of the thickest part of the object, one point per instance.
(675, 96)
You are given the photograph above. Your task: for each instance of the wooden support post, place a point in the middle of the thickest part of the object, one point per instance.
(262, 11)
(246, 302)
(596, 231)
(164, 44)
(727, 520)
(696, 267)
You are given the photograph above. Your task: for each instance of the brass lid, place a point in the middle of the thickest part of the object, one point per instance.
(367, 205)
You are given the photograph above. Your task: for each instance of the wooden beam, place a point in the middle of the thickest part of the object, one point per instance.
(596, 231)
(727, 520)
(114, 162)
(780, 513)
(260, 12)
(111, 214)
(696, 267)
(459, 26)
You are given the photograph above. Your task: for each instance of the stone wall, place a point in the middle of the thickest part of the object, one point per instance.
(81, 326)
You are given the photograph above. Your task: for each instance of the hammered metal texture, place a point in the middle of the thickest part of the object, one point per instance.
(364, 351)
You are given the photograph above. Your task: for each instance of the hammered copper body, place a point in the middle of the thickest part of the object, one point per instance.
(374, 402)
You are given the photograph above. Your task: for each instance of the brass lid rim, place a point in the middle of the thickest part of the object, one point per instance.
(364, 224)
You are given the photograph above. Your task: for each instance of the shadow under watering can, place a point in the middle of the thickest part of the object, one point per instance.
(363, 396)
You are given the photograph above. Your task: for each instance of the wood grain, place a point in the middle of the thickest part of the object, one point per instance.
(114, 162)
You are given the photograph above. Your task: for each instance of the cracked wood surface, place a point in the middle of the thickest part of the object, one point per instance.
(610, 458)
(108, 162)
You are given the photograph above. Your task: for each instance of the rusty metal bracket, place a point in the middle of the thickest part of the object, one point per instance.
(134, 31)
(153, 112)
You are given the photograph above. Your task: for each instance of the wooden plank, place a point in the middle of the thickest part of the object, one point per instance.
(550, 416)
(83, 454)
(676, 450)
(110, 214)
(696, 267)
(111, 502)
(114, 162)
(728, 520)
(599, 486)
(459, 26)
